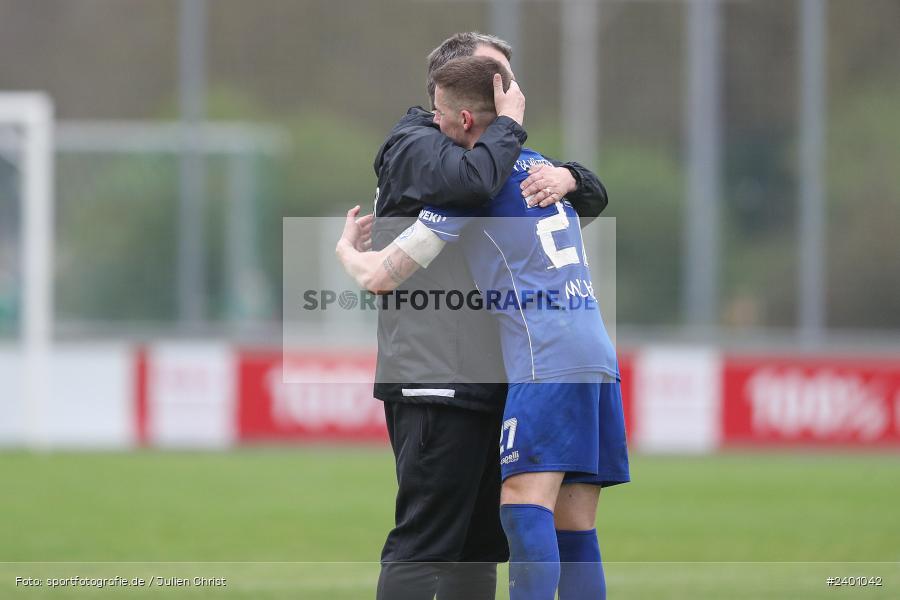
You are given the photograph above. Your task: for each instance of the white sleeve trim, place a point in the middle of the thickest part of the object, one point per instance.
(416, 392)
(420, 244)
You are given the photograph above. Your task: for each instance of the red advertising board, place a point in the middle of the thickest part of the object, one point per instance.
(821, 401)
(626, 372)
(315, 396)
(308, 396)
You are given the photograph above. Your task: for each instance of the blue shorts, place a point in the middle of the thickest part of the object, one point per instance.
(573, 424)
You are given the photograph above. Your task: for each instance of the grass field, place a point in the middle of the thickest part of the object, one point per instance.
(287, 523)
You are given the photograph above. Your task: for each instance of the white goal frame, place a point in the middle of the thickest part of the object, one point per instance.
(31, 113)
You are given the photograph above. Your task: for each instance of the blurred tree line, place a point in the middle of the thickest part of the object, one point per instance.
(336, 75)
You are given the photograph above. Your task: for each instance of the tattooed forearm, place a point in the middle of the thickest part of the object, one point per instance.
(378, 272)
(395, 273)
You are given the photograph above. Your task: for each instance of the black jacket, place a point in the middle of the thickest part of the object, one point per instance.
(447, 356)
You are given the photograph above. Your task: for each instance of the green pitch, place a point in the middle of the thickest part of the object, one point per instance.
(288, 523)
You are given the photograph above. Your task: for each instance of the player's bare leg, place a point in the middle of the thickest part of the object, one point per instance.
(527, 501)
(532, 488)
(576, 506)
(581, 569)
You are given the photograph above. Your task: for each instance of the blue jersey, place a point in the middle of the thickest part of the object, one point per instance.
(530, 266)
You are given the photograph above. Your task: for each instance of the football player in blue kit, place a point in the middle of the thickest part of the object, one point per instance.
(563, 427)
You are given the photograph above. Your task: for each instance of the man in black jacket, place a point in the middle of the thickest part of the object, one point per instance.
(439, 372)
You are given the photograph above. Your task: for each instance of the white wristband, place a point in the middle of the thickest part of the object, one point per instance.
(420, 244)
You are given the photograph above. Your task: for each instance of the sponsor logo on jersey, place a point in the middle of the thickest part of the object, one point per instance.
(580, 288)
(510, 458)
(431, 217)
(528, 164)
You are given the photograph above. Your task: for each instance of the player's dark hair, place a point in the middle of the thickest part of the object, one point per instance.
(461, 45)
(469, 82)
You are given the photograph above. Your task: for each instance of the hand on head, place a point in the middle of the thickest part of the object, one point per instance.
(510, 103)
